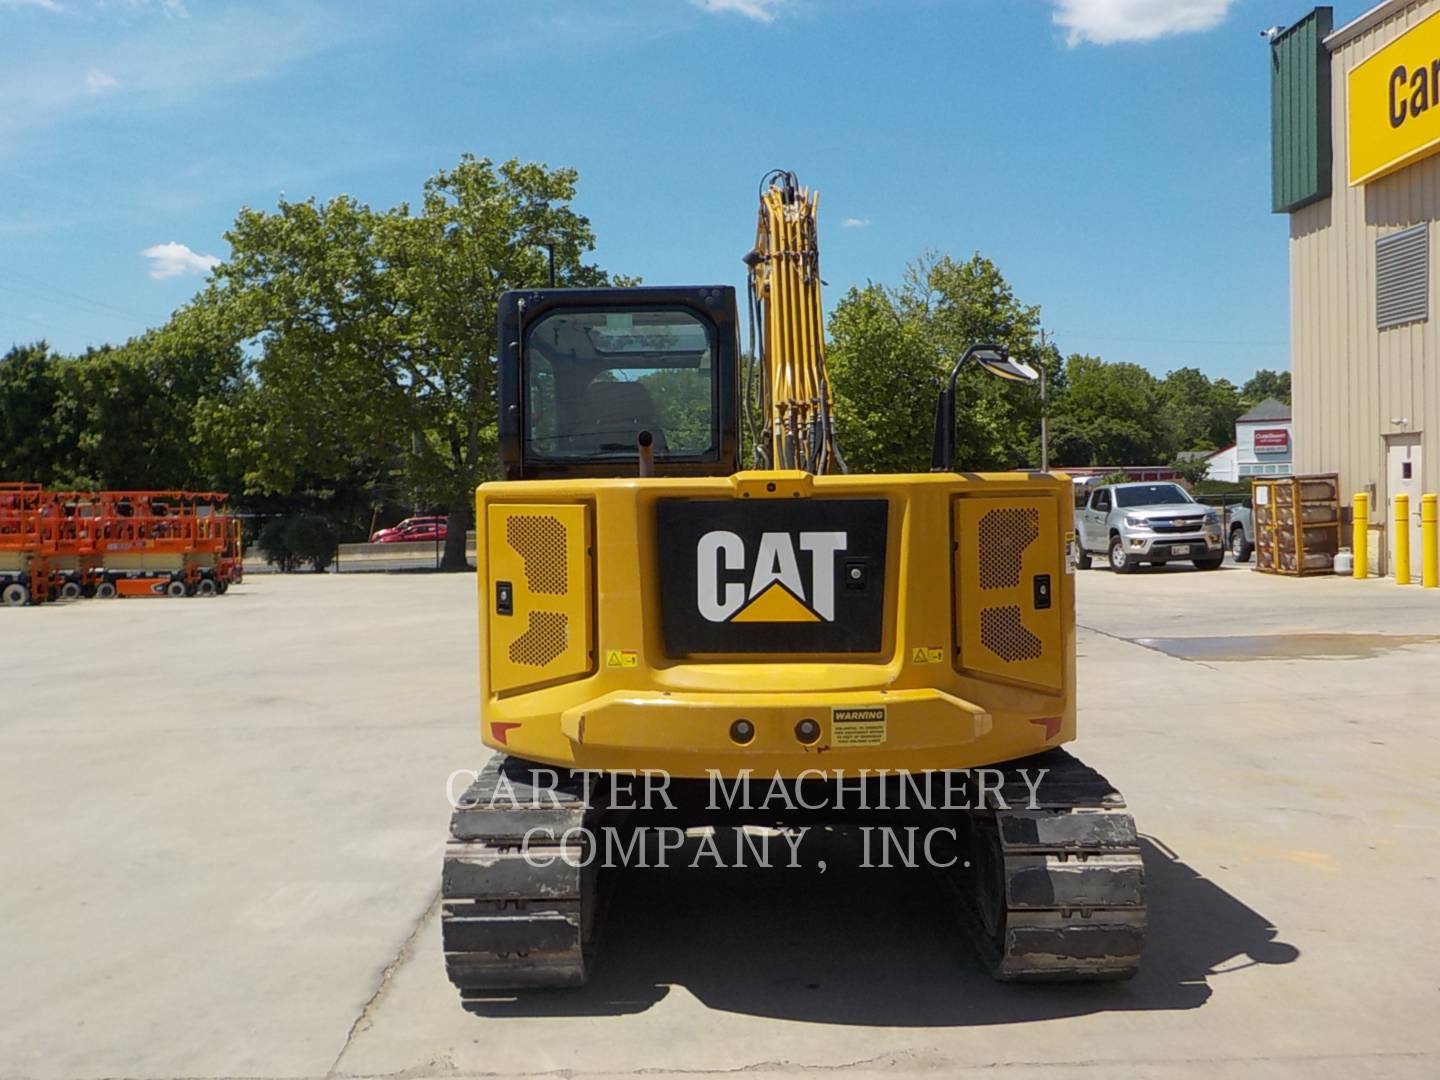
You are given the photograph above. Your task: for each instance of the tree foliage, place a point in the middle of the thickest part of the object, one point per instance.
(115, 417)
(1266, 384)
(891, 350)
(373, 329)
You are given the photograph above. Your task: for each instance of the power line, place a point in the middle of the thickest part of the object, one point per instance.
(1167, 341)
(40, 289)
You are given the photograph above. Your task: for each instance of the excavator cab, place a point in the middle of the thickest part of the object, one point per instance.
(590, 379)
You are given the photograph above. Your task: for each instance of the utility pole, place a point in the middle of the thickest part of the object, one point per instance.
(1044, 411)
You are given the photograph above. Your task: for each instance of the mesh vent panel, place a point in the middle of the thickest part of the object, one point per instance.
(1004, 536)
(540, 540)
(1003, 633)
(543, 641)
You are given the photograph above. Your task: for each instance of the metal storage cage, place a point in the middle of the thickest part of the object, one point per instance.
(1297, 523)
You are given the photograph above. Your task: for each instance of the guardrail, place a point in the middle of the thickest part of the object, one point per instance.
(420, 555)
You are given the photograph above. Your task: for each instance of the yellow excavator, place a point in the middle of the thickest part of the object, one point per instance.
(668, 639)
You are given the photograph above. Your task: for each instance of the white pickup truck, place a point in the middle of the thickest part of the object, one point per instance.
(1149, 522)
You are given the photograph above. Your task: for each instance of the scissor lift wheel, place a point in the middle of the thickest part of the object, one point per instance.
(14, 595)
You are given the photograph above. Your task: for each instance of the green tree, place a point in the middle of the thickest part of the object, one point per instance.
(1192, 472)
(133, 409)
(32, 441)
(891, 349)
(1108, 414)
(1197, 414)
(373, 329)
(1226, 406)
(1266, 384)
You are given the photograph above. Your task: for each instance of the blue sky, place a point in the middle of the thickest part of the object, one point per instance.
(1111, 156)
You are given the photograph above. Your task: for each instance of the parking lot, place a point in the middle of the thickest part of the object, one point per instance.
(223, 819)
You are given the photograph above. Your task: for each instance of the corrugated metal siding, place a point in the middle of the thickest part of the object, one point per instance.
(1402, 277)
(1350, 378)
(1300, 140)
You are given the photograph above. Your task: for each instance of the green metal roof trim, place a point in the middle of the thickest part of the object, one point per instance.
(1301, 142)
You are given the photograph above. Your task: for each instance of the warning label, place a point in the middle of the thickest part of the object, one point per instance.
(858, 727)
(622, 658)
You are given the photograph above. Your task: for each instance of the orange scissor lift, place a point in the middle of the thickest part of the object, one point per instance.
(26, 547)
(162, 543)
(65, 545)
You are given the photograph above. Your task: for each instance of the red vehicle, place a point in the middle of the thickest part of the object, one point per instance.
(412, 530)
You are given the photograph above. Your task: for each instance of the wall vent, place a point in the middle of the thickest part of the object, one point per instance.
(1402, 277)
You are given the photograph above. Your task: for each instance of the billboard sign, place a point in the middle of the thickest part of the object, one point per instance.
(1393, 96)
(1272, 441)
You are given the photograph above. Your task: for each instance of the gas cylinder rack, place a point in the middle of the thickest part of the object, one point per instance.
(1297, 523)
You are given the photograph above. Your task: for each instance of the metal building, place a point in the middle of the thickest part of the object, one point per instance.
(1356, 133)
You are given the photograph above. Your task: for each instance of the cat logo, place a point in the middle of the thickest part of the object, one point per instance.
(771, 576)
(774, 591)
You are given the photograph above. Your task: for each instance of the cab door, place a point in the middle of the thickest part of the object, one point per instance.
(1097, 512)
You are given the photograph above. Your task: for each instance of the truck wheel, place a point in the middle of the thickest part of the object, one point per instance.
(1213, 562)
(1241, 548)
(105, 590)
(14, 595)
(1120, 562)
(1080, 557)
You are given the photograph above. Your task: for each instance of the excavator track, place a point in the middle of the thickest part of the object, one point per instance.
(511, 918)
(1055, 890)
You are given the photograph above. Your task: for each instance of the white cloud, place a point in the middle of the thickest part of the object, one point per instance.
(1105, 22)
(855, 223)
(759, 10)
(172, 260)
(158, 62)
(48, 5)
(97, 81)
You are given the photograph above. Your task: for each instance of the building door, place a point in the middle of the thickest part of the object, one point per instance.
(1403, 469)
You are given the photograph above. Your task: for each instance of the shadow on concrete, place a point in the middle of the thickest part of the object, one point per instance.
(1176, 566)
(877, 947)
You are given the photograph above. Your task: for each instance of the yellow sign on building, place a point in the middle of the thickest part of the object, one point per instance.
(1394, 104)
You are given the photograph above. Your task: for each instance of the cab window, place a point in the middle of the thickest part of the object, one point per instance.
(594, 380)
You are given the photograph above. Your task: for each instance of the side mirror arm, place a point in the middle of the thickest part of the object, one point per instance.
(942, 457)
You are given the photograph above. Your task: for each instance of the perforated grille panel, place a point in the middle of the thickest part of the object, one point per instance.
(543, 641)
(536, 570)
(1004, 634)
(1004, 536)
(1011, 595)
(540, 541)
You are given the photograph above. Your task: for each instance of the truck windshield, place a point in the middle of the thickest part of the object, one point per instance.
(595, 379)
(1150, 495)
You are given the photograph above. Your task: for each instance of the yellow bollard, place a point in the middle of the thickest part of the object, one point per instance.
(1429, 542)
(1360, 544)
(1402, 539)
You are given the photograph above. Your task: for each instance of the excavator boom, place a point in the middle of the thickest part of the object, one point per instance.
(787, 334)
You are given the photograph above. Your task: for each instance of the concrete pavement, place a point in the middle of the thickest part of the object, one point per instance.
(221, 825)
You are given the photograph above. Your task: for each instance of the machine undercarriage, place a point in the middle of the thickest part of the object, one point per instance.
(1039, 858)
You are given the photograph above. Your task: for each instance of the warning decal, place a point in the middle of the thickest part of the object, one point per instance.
(858, 727)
